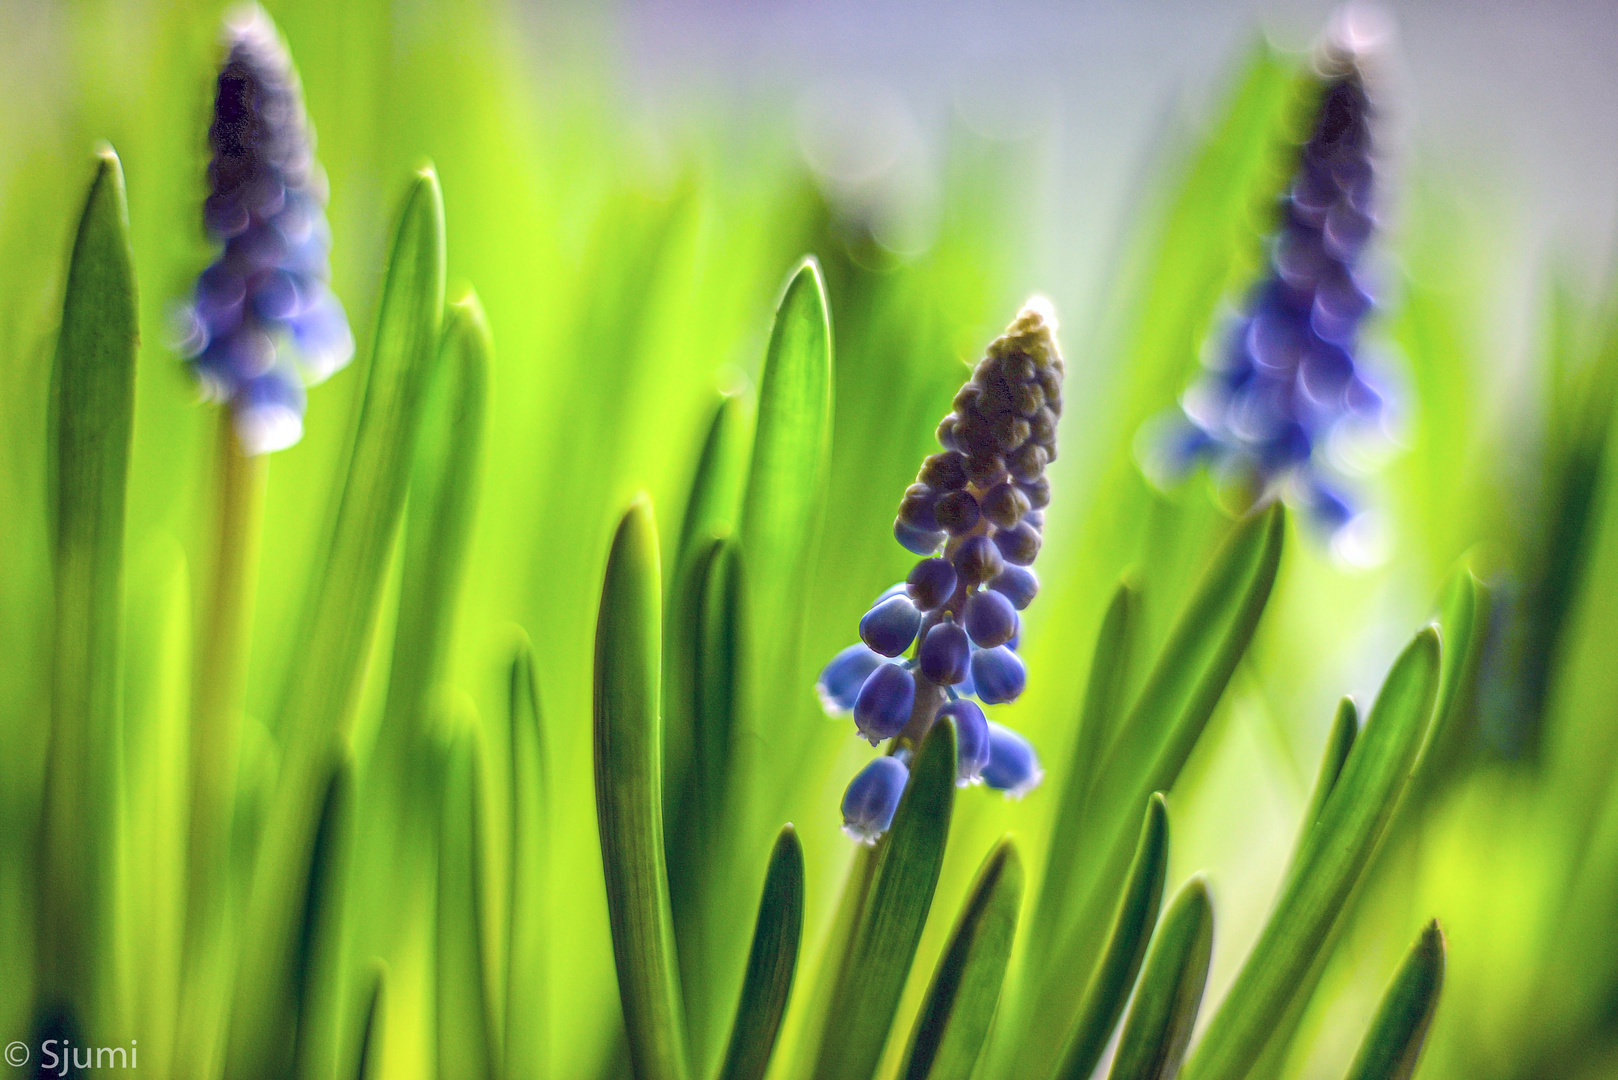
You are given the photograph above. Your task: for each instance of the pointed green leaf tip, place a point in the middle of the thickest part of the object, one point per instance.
(93, 384)
(1393, 1045)
(629, 798)
(1329, 863)
(883, 944)
(960, 1004)
(786, 484)
(1165, 1009)
(1104, 999)
(770, 964)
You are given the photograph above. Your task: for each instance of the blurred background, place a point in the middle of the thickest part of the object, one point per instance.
(626, 187)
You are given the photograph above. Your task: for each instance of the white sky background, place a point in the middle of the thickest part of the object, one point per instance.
(1518, 102)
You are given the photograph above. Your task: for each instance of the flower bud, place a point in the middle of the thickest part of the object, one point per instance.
(931, 582)
(998, 674)
(971, 739)
(873, 797)
(978, 560)
(917, 541)
(990, 619)
(891, 625)
(1013, 766)
(945, 654)
(884, 702)
(840, 681)
(1017, 584)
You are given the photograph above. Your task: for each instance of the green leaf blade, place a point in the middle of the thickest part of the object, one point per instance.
(771, 963)
(1392, 1046)
(629, 799)
(1160, 1021)
(786, 483)
(93, 391)
(1108, 992)
(953, 1025)
(1103, 706)
(888, 930)
(1328, 866)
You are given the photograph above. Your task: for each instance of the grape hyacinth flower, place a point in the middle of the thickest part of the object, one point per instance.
(975, 515)
(263, 322)
(1288, 377)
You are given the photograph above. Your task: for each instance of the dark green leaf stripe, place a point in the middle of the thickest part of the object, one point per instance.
(1114, 977)
(465, 1041)
(1393, 1044)
(373, 1025)
(527, 1013)
(93, 385)
(960, 1004)
(771, 963)
(884, 940)
(324, 682)
(1327, 868)
(786, 482)
(1165, 1010)
(321, 939)
(629, 799)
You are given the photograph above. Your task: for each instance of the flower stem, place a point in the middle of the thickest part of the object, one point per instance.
(217, 685)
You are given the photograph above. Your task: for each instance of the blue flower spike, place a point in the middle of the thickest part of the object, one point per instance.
(976, 516)
(1013, 766)
(1287, 381)
(872, 797)
(263, 322)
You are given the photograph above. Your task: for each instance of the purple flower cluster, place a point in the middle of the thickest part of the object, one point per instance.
(976, 516)
(1288, 376)
(263, 321)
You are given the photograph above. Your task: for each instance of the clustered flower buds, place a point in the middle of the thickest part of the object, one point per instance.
(263, 320)
(976, 516)
(1287, 378)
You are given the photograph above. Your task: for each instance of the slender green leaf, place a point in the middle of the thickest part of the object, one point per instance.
(93, 382)
(1165, 1010)
(1103, 706)
(871, 975)
(1328, 865)
(1345, 727)
(373, 1025)
(323, 687)
(1393, 1044)
(1110, 984)
(786, 482)
(771, 963)
(527, 1013)
(1464, 618)
(320, 697)
(1186, 680)
(955, 1016)
(712, 506)
(1339, 744)
(466, 1030)
(629, 800)
(438, 522)
(321, 939)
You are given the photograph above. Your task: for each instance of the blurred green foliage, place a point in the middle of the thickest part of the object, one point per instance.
(618, 295)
